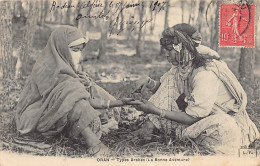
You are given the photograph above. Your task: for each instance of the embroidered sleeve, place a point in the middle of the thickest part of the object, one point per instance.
(204, 94)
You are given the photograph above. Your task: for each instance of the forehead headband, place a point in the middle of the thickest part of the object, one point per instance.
(172, 36)
(78, 42)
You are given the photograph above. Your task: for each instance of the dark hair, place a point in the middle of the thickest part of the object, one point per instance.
(199, 61)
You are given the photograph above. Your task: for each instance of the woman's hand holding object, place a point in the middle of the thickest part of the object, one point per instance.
(84, 78)
(141, 84)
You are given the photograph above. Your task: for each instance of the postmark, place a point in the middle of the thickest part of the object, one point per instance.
(237, 25)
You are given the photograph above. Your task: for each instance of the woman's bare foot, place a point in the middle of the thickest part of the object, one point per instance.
(96, 147)
(146, 131)
(98, 150)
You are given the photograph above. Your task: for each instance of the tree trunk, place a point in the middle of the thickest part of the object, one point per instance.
(102, 43)
(139, 40)
(6, 40)
(246, 71)
(41, 12)
(247, 58)
(56, 15)
(215, 29)
(201, 15)
(45, 10)
(122, 18)
(190, 12)
(182, 13)
(90, 23)
(257, 15)
(103, 40)
(77, 12)
(151, 24)
(28, 38)
(129, 28)
(246, 64)
(82, 24)
(144, 35)
(68, 14)
(166, 24)
(61, 16)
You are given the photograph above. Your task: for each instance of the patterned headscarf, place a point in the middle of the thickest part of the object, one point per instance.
(181, 39)
(185, 39)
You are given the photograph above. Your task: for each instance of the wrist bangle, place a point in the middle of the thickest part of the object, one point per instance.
(162, 114)
(108, 104)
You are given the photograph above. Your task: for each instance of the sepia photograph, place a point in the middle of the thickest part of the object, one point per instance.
(129, 82)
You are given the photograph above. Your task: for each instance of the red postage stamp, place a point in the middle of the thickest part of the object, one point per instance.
(237, 25)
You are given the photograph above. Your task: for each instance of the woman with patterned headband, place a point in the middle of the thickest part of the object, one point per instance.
(199, 98)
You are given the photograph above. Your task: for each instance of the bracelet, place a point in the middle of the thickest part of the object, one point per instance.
(162, 114)
(108, 104)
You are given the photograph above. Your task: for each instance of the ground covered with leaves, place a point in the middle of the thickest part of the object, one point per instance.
(116, 73)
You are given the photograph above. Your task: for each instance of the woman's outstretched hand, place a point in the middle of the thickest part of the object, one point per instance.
(141, 84)
(127, 101)
(145, 106)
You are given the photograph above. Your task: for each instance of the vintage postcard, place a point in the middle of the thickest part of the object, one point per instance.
(129, 82)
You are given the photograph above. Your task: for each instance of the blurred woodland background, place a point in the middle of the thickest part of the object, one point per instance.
(123, 45)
